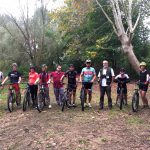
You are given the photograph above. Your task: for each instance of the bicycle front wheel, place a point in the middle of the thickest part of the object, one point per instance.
(135, 102)
(10, 103)
(82, 97)
(26, 101)
(41, 102)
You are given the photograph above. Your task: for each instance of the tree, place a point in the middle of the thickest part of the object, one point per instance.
(123, 25)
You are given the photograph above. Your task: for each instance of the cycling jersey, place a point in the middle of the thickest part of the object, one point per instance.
(122, 80)
(71, 77)
(33, 77)
(14, 76)
(56, 79)
(44, 78)
(88, 74)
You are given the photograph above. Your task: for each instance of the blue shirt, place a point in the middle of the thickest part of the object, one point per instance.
(88, 74)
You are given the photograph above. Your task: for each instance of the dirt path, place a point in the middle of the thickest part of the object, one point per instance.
(75, 130)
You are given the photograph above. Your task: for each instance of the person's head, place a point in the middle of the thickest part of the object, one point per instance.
(44, 67)
(32, 69)
(58, 68)
(105, 64)
(14, 66)
(71, 67)
(142, 65)
(122, 71)
(88, 63)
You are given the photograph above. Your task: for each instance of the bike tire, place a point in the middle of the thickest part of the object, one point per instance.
(64, 101)
(135, 102)
(41, 102)
(26, 101)
(82, 98)
(10, 103)
(121, 99)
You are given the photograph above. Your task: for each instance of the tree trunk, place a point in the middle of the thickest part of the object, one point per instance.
(127, 49)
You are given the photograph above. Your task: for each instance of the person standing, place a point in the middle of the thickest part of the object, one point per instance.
(33, 79)
(1, 76)
(44, 78)
(143, 83)
(87, 77)
(57, 84)
(15, 78)
(106, 76)
(71, 74)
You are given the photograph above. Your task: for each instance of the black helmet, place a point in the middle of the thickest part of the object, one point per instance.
(122, 70)
(71, 65)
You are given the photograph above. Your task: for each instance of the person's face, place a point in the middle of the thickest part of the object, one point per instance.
(14, 68)
(32, 70)
(44, 69)
(105, 64)
(122, 73)
(88, 64)
(59, 68)
(71, 68)
(142, 67)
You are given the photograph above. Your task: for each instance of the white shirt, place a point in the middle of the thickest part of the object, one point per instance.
(1, 76)
(104, 81)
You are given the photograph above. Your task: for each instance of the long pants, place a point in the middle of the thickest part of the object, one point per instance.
(59, 92)
(106, 90)
(33, 91)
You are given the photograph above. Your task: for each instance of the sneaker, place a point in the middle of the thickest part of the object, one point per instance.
(50, 106)
(89, 105)
(85, 104)
(74, 105)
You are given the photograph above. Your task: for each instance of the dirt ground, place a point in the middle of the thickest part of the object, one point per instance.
(74, 129)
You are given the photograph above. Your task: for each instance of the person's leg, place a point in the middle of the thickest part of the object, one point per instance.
(56, 92)
(61, 94)
(102, 93)
(32, 94)
(108, 92)
(144, 98)
(74, 96)
(18, 94)
(35, 94)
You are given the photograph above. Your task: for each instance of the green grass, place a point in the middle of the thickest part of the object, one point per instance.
(135, 120)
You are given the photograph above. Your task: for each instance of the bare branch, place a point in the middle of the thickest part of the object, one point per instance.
(106, 15)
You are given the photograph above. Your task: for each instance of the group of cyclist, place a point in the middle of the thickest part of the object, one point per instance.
(87, 77)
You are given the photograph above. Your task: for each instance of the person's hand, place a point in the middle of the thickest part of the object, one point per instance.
(92, 81)
(48, 82)
(146, 83)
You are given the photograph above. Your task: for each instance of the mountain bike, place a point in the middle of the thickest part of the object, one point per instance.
(65, 99)
(11, 98)
(121, 98)
(135, 98)
(27, 98)
(82, 96)
(41, 98)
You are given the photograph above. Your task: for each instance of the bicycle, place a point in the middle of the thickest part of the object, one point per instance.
(121, 98)
(135, 99)
(27, 98)
(11, 99)
(65, 99)
(41, 98)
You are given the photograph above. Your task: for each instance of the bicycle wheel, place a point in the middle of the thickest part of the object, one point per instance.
(82, 97)
(121, 99)
(26, 101)
(41, 102)
(135, 102)
(10, 102)
(64, 101)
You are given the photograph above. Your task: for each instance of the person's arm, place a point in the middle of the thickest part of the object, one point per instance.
(81, 75)
(50, 78)
(37, 79)
(94, 77)
(5, 80)
(19, 80)
(113, 74)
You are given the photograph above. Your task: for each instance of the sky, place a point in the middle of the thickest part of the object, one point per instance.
(13, 6)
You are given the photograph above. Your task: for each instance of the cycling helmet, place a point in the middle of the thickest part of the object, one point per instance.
(44, 66)
(122, 70)
(32, 67)
(143, 64)
(71, 65)
(14, 64)
(88, 61)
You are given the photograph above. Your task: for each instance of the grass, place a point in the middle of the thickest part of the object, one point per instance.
(135, 120)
